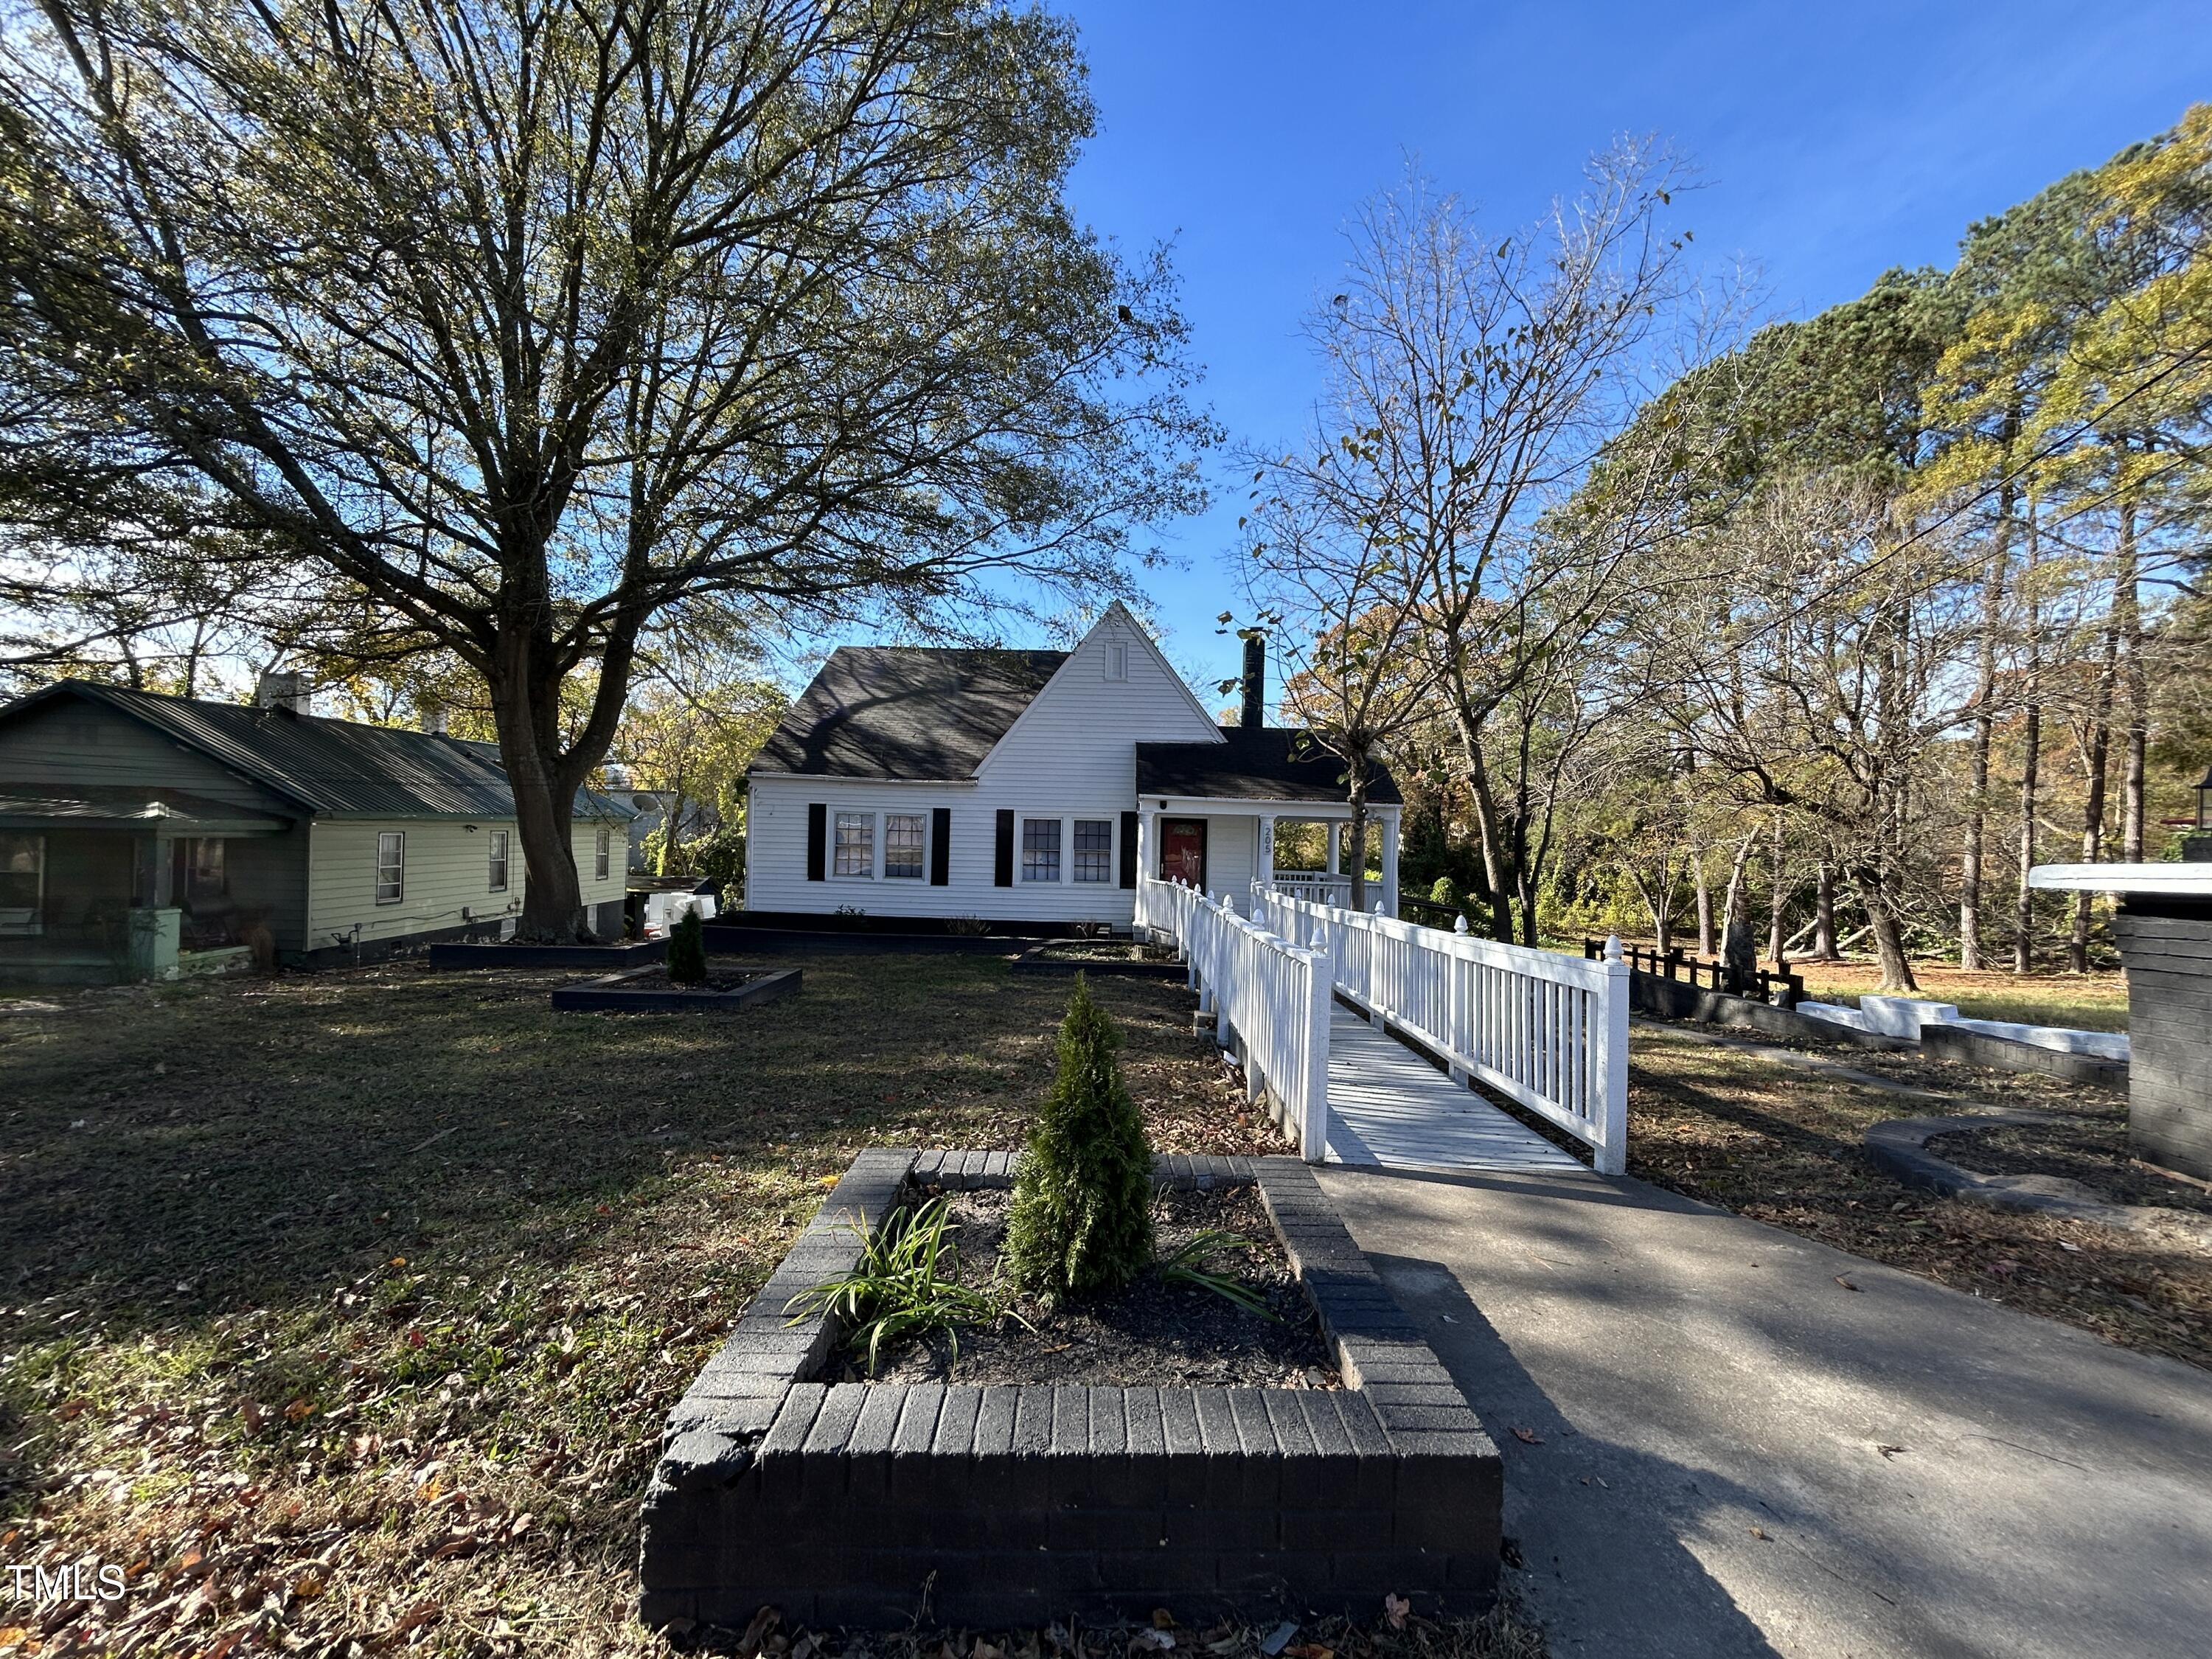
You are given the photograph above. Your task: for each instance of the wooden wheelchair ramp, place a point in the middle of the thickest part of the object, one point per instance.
(1389, 1107)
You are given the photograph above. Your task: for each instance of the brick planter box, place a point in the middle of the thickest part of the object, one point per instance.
(616, 994)
(868, 1504)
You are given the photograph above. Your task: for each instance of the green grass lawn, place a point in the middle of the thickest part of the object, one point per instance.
(2088, 1002)
(349, 1305)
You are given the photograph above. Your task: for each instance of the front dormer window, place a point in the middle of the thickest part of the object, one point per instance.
(1117, 660)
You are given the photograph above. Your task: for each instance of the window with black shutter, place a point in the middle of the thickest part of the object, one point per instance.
(940, 845)
(1002, 871)
(1128, 849)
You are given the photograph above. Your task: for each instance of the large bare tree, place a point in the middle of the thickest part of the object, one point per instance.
(517, 323)
(1476, 377)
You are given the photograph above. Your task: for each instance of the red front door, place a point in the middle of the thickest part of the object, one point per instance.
(1182, 851)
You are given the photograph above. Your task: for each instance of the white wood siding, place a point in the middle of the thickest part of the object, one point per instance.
(1071, 755)
(449, 870)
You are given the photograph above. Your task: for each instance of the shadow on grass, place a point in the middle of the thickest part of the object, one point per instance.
(248, 1143)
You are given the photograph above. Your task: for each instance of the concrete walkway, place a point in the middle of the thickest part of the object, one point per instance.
(1739, 1456)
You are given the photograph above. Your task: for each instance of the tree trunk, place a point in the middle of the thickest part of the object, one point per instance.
(2127, 610)
(2023, 931)
(1358, 774)
(1504, 882)
(1824, 915)
(1778, 902)
(1986, 678)
(2096, 762)
(1704, 905)
(1888, 937)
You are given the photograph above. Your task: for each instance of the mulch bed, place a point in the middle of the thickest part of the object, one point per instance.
(1104, 950)
(717, 979)
(1152, 1334)
(2090, 1147)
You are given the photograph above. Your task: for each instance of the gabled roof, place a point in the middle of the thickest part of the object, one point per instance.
(333, 768)
(906, 713)
(1262, 762)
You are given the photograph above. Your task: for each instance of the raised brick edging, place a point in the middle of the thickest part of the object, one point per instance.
(869, 1504)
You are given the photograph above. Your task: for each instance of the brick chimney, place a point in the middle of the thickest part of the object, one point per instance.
(291, 691)
(433, 715)
(1255, 682)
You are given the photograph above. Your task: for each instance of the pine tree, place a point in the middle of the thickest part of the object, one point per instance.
(1081, 1224)
(687, 951)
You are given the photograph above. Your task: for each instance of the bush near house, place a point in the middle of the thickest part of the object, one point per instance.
(687, 951)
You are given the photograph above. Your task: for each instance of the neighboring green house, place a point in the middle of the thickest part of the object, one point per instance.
(141, 837)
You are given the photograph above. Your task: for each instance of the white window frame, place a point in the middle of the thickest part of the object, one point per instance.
(1058, 851)
(866, 823)
(25, 919)
(602, 854)
(920, 823)
(396, 866)
(497, 871)
(1077, 852)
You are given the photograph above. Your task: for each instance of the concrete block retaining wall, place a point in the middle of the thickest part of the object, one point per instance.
(868, 1504)
(2169, 965)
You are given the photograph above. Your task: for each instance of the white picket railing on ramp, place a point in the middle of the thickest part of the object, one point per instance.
(1548, 1031)
(1269, 997)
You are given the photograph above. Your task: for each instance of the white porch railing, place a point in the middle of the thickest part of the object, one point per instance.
(1548, 1031)
(1316, 884)
(1269, 997)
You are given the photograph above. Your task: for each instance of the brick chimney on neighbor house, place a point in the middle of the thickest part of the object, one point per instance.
(289, 691)
(433, 715)
(1255, 682)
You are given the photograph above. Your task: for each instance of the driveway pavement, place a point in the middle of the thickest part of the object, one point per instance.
(1739, 1456)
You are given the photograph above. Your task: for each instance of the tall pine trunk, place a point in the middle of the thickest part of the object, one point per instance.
(1985, 676)
(2023, 932)
(2096, 762)
(2127, 609)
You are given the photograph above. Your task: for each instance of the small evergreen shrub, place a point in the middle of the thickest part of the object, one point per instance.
(687, 951)
(1081, 1220)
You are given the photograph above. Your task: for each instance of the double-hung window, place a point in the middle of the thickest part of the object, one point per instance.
(1094, 849)
(856, 844)
(599, 855)
(903, 835)
(391, 867)
(1039, 849)
(498, 882)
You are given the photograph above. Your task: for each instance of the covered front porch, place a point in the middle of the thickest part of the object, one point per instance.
(101, 884)
(1300, 847)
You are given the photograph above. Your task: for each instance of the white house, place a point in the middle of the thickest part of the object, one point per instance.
(1029, 787)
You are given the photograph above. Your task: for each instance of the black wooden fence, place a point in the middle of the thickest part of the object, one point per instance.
(1784, 989)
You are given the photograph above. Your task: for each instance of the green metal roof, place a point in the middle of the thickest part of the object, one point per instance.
(332, 768)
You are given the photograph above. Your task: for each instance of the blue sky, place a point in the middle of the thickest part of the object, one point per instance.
(1834, 141)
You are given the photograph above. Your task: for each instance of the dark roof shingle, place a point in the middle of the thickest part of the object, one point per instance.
(332, 767)
(906, 713)
(1265, 762)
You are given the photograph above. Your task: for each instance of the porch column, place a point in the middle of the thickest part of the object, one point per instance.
(156, 925)
(1148, 847)
(1390, 864)
(1266, 867)
(1335, 844)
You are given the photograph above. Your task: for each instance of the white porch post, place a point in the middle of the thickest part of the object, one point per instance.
(1265, 867)
(1335, 845)
(1390, 864)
